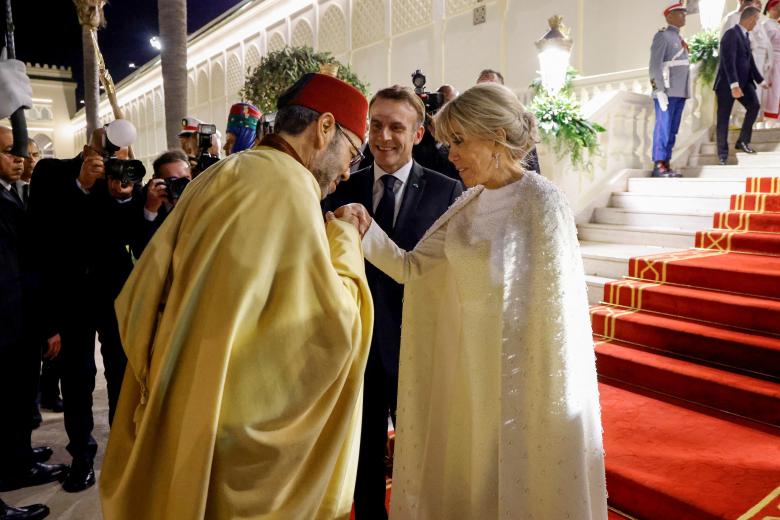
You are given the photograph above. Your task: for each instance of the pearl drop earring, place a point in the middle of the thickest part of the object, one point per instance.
(496, 160)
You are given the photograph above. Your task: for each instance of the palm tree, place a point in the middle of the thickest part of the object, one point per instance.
(91, 18)
(173, 59)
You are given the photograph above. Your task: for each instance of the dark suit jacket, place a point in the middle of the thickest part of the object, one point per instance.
(736, 62)
(427, 196)
(79, 241)
(12, 220)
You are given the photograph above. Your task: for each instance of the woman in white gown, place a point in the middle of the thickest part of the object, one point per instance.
(498, 412)
(772, 29)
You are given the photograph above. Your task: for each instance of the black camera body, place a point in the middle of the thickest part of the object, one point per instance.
(433, 100)
(126, 171)
(205, 159)
(174, 187)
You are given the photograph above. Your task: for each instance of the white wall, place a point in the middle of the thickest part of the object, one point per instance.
(385, 41)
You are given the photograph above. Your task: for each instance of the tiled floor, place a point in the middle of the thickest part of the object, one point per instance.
(68, 506)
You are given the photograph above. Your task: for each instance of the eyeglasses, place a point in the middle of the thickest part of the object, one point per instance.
(358, 154)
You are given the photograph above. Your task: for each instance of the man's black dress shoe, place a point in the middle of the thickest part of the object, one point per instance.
(42, 453)
(35, 475)
(722, 161)
(667, 174)
(80, 477)
(745, 147)
(53, 405)
(31, 512)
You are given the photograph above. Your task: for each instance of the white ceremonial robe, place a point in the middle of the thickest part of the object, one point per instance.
(498, 410)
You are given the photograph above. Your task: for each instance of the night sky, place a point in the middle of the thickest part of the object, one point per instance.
(49, 32)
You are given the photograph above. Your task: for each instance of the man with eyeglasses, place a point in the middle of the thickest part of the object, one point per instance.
(246, 324)
(405, 199)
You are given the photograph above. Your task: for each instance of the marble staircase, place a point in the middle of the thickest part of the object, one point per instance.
(654, 216)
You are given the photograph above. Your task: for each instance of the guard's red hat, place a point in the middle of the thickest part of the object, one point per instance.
(324, 93)
(674, 6)
(771, 4)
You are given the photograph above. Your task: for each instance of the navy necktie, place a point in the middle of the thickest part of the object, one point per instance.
(385, 211)
(15, 195)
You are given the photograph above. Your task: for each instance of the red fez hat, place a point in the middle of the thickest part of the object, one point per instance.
(323, 93)
(674, 6)
(771, 4)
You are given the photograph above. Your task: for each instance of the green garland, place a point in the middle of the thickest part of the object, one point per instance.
(563, 127)
(704, 49)
(278, 71)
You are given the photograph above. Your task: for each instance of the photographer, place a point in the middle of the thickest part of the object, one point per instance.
(171, 176)
(201, 143)
(84, 213)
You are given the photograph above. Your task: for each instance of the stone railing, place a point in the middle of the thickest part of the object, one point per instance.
(621, 103)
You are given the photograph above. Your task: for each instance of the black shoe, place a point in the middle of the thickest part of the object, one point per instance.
(745, 147)
(80, 477)
(31, 512)
(53, 405)
(35, 475)
(665, 174)
(42, 453)
(723, 161)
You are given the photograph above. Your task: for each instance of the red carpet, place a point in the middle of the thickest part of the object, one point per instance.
(688, 351)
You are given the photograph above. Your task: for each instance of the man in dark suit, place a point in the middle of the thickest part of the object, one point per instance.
(404, 199)
(736, 80)
(20, 464)
(83, 228)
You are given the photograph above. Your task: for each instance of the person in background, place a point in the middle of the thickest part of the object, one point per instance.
(241, 128)
(736, 79)
(670, 79)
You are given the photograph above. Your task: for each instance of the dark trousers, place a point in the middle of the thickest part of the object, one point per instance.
(725, 103)
(667, 123)
(380, 395)
(78, 375)
(50, 380)
(19, 365)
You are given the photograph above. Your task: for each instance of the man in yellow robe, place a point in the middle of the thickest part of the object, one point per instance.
(247, 323)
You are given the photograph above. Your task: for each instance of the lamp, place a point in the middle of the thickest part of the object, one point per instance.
(711, 13)
(554, 49)
(155, 42)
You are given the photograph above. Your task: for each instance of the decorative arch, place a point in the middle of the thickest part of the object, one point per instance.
(411, 14)
(276, 42)
(333, 30)
(368, 22)
(235, 78)
(45, 145)
(191, 91)
(252, 57)
(203, 87)
(217, 80)
(302, 35)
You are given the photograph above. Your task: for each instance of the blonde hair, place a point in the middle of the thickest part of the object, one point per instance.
(484, 111)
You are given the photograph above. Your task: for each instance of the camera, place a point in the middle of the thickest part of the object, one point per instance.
(126, 171)
(118, 134)
(433, 100)
(205, 159)
(174, 187)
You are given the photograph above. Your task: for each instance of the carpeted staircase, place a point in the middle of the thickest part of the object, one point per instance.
(688, 349)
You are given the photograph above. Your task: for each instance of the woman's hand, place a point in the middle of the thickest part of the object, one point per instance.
(355, 214)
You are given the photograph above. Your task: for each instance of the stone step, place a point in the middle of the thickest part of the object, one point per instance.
(692, 220)
(596, 288)
(669, 202)
(712, 148)
(763, 135)
(729, 172)
(610, 260)
(657, 236)
(770, 159)
(697, 187)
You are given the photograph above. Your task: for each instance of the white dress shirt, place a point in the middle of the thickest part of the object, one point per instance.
(402, 174)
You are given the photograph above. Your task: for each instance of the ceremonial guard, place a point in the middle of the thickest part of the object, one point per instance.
(670, 79)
